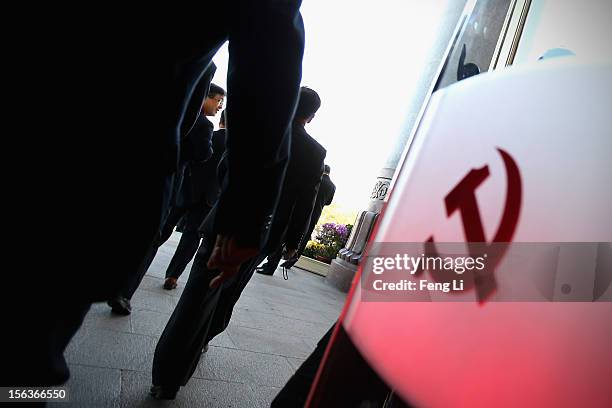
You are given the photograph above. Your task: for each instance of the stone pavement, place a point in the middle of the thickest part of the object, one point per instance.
(275, 326)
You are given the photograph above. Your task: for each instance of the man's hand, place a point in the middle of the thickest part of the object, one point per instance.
(288, 253)
(227, 256)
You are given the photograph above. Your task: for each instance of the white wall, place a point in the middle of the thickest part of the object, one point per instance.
(584, 27)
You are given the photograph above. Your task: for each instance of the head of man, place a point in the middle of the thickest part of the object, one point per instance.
(308, 104)
(214, 101)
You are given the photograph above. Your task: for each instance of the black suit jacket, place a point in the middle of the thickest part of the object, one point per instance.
(120, 103)
(299, 191)
(326, 192)
(196, 150)
(324, 197)
(209, 169)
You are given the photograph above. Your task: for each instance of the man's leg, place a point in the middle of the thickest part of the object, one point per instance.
(188, 244)
(290, 262)
(276, 31)
(174, 215)
(128, 290)
(272, 263)
(36, 360)
(120, 304)
(229, 297)
(201, 314)
(185, 251)
(180, 345)
(307, 236)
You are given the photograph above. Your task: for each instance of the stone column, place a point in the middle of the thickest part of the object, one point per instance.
(343, 268)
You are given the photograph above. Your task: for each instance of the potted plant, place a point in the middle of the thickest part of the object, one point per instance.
(329, 240)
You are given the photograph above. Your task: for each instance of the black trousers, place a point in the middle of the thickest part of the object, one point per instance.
(188, 245)
(133, 281)
(58, 302)
(200, 315)
(185, 251)
(34, 360)
(313, 222)
(273, 260)
(307, 235)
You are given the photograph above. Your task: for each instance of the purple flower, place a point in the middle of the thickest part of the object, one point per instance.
(341, 230)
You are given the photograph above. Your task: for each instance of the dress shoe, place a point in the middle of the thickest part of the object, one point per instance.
(120, 305)
(170, 283)
(264, 271)
(160, 392)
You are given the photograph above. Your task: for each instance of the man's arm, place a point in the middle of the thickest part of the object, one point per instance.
(273, 33)
(331, 196)
(196, 136)
(201, 142)
(197, 99)
(256, 164)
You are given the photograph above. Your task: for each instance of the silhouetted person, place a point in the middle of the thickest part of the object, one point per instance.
(204, 309)
(190, 222)
(324, 197)
(127, 95)
(327, 189)
(189, 201)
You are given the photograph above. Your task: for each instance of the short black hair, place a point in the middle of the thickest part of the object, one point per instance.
(326, 169)
(215, 90)
(308, 104)
(222, 118)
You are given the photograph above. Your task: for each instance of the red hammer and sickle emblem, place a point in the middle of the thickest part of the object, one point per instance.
(462, 198)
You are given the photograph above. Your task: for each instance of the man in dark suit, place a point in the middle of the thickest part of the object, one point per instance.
(205, 306)
(208, 191)
(130, 92)
(324, 197)
(189, 201)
